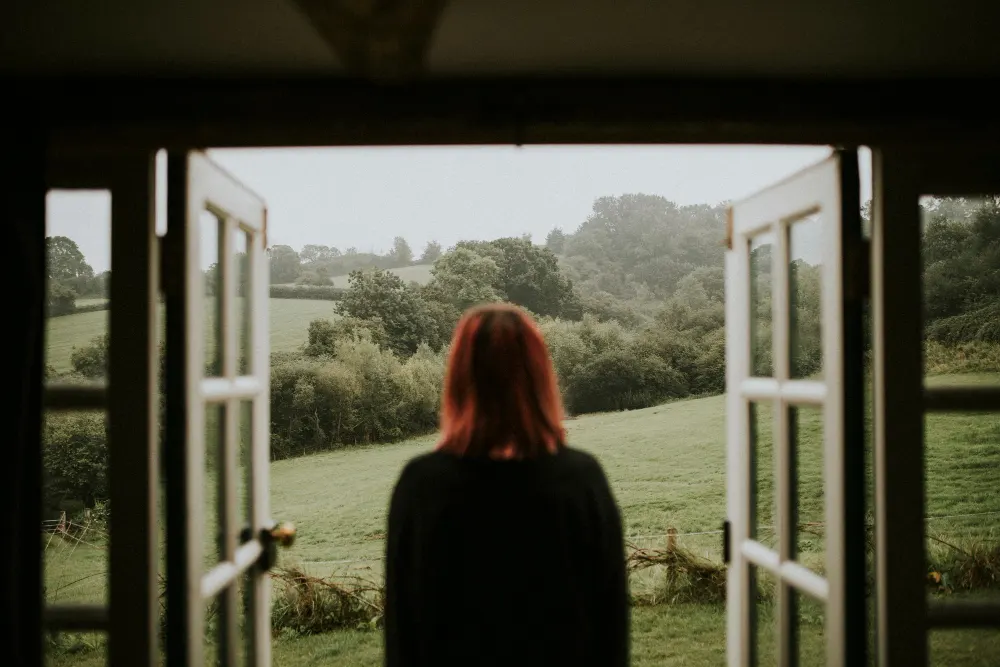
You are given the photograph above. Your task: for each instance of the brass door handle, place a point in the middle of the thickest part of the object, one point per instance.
(284, 534)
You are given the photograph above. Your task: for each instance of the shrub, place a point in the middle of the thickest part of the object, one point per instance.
(324, 293)
(61, 299)
(973, 357)
(358, 394)
(307, 605)
(314, 279)
(619, 379)
(91, 361)
(75, 453)
(324, 334)
(93, 307)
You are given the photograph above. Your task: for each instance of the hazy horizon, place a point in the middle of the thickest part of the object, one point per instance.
(363, 197)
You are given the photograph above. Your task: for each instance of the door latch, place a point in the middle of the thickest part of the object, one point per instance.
(271, 538)
(726, 543)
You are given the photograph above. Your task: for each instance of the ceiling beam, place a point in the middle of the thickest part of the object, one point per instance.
(376, 39)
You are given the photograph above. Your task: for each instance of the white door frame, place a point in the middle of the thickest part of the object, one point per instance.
(196, 185)
(830, 188)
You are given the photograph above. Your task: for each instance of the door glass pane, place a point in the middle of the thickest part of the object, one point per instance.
(979, 647)
(806, 440)
(76, 511)
(75, 649)
(963, 505)
(214, 424)
(761, 252)
(245, 444)
(764, 618)
(961, 281)
(244, 311)
(806, 249)
(211, 233)
(762, 468)
(78, 270)
(810, 620)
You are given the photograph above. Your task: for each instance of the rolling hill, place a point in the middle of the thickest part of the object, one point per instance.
(289, 319)
(666, 465)
(418, 273)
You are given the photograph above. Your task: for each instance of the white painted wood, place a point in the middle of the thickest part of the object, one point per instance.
(816, 189)
(798, 392)
(239, 210)
(739, 596)
(259, 594)
(223, 574)
(245, 387)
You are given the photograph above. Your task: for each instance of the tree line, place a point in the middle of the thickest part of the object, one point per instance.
(631, 304)
(316, 264)
(70, 277)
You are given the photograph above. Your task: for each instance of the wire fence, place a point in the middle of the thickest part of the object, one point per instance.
(76, 532)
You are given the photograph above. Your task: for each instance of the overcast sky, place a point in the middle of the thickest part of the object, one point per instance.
(363, 197)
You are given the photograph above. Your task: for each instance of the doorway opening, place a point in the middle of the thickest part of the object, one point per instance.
(322, 319)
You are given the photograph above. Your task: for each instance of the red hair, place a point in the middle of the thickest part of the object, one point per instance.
(501, 398)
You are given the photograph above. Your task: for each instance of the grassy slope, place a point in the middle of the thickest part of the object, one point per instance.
(667, 466)
(420, 273)
(290, 320)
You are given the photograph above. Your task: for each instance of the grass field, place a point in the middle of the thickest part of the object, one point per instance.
(419, 273)
(667, 467)
(289, 319)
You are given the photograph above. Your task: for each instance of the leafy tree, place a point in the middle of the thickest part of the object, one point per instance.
(66, 264)
(285, 264)
(556, 240)
(320, 255)
(76, 459)
(639, 241)
(382, 295)
(962, 270)
(213, 277)
(314, 278)
(91, 361)
(324, 335)
(60, 300)
(464, 278)
(432, 251)
(529, 276)
(401, 254)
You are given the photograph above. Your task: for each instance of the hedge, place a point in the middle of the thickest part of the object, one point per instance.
(324, 293)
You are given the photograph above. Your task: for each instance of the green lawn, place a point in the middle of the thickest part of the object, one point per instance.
(667, 467)
(289, 318)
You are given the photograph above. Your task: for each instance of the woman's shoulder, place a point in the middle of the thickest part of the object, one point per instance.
(581, 461)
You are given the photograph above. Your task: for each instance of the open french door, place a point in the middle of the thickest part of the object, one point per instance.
(220, 538)
(795, 286)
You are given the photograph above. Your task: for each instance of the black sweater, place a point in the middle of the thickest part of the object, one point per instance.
(513, 563)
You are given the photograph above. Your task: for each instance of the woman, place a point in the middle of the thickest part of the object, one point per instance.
(504, 545)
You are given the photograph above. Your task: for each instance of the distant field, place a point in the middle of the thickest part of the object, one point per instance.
(667, 468)
(289, 318)
(420, 273)
(80, 303)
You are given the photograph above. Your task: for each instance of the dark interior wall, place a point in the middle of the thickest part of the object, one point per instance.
(78, 117)
(22, 184)
(183, 113)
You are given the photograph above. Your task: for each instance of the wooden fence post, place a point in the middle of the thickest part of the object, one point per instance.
(671, 539)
